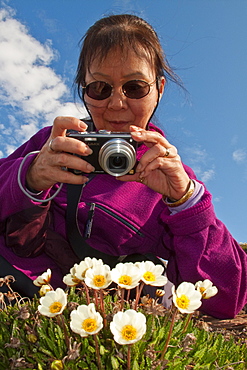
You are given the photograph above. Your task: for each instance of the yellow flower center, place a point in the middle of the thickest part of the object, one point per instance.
(149, 276)
(55, 307)
(128, 332)
(89, 325)
(99, 280)
(183, 301)
(125, 280)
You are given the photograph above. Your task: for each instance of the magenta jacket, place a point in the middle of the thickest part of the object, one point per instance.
(129, 218)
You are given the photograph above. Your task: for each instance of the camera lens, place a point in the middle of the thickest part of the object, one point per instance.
(117, 162)
(117, 157)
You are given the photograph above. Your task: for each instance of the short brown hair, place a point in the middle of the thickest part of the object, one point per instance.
(122, 31)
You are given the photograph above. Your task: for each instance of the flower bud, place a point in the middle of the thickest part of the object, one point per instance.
(32, 338)
(57, 365)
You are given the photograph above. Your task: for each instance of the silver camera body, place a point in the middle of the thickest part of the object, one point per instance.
(114, 153)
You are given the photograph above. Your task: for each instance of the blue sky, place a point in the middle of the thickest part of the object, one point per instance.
(204, 40)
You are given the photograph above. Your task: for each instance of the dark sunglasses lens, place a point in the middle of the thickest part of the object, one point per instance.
(136, 89)
(98, 90)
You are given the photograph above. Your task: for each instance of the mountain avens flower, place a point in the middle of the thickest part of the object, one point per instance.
(85, 320)
(206, 288)
(186, 298)
(98, 277)
(128, 327)
(151, 273)
(44, 289)
(126, 275)
(71, 279)
(43, 279)
(53, 303)
(84, 265)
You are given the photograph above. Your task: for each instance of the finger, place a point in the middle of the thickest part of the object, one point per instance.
(61, 124)
(70, 145)
(156, 152)
(148, 137)
(63, 175)
(134, 177)
(169, 167)
(63, 159)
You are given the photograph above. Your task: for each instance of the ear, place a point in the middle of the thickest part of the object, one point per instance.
(161, 86)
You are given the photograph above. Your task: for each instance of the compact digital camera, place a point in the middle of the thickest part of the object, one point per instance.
(113, 152)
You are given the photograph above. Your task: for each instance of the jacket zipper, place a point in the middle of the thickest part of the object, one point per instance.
(122, 220)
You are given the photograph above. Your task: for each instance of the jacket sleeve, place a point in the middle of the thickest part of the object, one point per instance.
(26, 231)
(202, 248)
(29, 233)
(11, 196)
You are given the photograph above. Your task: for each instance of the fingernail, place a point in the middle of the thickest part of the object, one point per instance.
(138, 168)
(88, 150)
(90, 167)
(136, 133)
(83, 125)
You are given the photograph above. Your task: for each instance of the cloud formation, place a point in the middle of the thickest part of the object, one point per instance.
(30, 88)
(200, 162)
(239, 155)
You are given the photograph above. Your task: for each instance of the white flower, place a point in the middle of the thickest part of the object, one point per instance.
(98, 277)
(186, 298)
(128, 327)
(53, 303)
(85, 320)
(44, 289)
(71, 279)
(126, 275)
(43, 279)
(206, 288)
(151, 273)
(84, 265)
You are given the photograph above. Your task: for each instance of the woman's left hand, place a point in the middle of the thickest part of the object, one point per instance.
(160, 168)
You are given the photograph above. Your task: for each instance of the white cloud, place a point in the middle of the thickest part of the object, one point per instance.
(239, 155)
(30, 89)
(202, 165)
(207, 175)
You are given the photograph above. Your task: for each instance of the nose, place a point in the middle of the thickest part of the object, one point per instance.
(117, 100)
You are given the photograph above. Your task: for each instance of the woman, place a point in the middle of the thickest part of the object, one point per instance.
(161, 209)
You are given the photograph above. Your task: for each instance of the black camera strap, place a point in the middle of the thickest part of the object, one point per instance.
(78, 243)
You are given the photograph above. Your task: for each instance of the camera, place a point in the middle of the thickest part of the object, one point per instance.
(113, 152)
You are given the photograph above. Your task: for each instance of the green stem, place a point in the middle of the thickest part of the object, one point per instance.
(102, 307)
(96, 298)
(188, 320)
(66, 335)
(138, 294)
(122, 298)
(169, 334)
(129, 357)
(87, 292)
(97, 352)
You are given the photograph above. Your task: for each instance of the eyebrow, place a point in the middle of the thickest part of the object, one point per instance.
(130, 75)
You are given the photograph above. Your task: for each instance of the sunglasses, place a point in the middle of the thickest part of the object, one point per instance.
(135, 89)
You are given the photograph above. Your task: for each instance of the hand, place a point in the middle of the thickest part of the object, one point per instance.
(47, 167)
(160, 168)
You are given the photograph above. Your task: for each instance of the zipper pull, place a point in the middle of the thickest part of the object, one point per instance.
(89, 223)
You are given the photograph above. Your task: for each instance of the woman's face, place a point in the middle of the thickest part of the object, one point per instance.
(118, 112)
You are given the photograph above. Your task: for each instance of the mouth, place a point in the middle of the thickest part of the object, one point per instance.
(119, 125)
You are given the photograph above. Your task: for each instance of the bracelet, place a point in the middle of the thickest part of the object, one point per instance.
(25, 191)
(184, 198)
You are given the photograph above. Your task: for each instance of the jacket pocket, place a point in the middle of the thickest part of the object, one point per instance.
(115, 233)
(121, 220)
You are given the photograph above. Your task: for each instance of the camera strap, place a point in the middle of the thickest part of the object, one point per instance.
(78, 243)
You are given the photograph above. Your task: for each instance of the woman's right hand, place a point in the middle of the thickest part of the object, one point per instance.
(48, 167)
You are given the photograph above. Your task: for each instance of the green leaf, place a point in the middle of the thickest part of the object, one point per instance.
(135, 365)
(114, 363)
